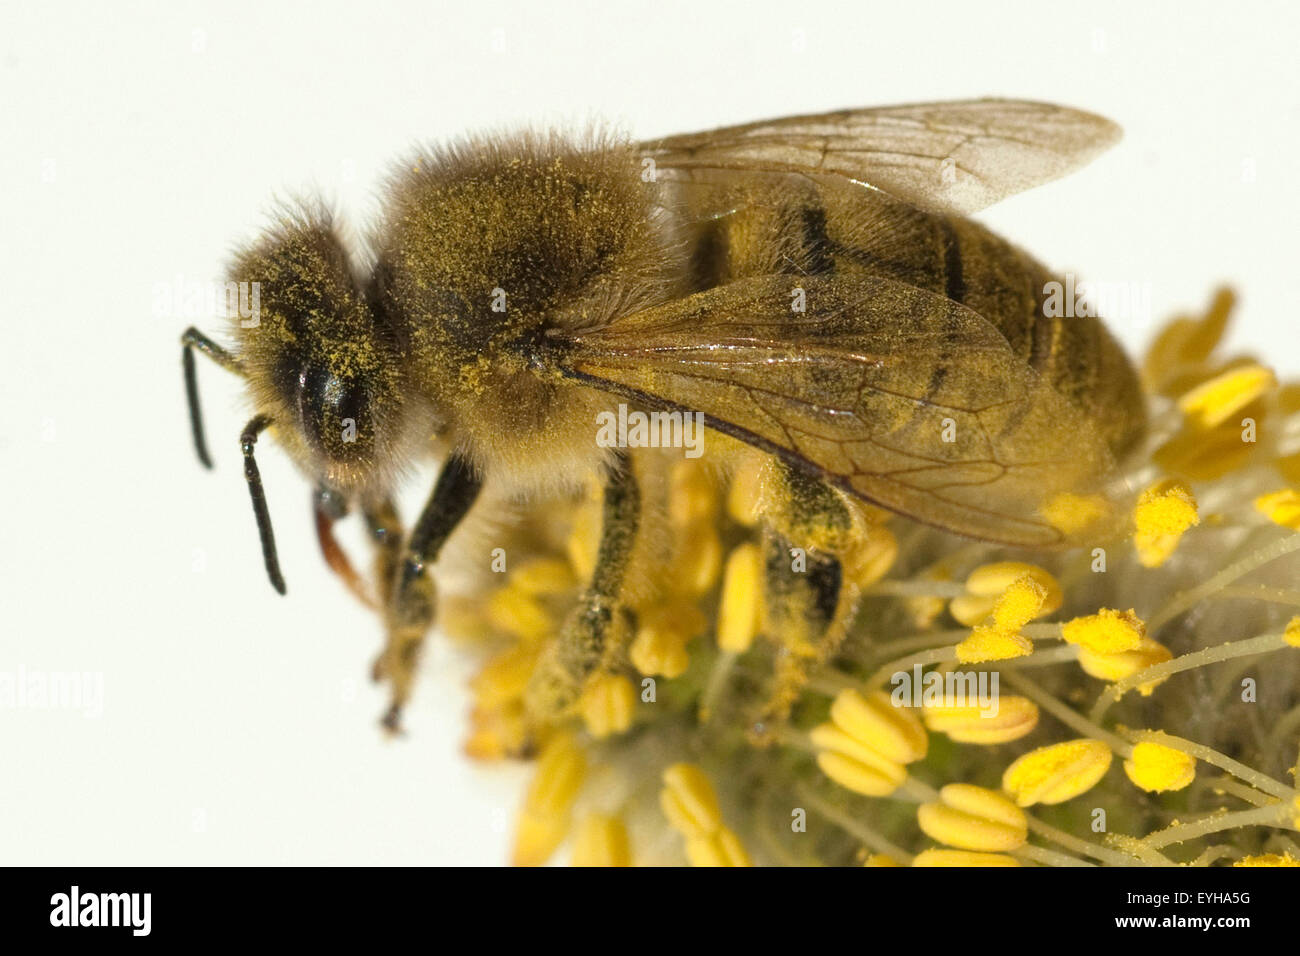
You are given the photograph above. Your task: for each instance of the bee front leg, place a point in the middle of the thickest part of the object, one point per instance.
(329, 507)
(411, 601)
(585, 639)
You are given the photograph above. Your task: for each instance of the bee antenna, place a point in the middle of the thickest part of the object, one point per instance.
(191, 340)
(196, 413)
(247, 441)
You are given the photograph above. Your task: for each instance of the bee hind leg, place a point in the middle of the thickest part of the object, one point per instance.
(808, 603)
(407, 589)
(590, 633)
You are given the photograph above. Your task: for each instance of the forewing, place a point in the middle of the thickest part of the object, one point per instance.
(942, 157)
(897, 395)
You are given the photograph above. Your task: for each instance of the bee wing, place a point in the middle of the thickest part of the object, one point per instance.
(895, 394)
(942, 157)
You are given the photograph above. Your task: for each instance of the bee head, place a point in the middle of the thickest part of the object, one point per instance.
(319, 361)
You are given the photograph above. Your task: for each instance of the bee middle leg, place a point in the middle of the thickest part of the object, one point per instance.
(407, 591)
(585, 638)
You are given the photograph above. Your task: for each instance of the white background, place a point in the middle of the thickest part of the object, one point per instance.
(140, 143)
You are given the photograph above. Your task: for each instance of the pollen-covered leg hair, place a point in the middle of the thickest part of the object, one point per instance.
(587, 637)
(410, 610)
(808, 604)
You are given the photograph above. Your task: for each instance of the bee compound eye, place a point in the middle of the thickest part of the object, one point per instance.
(335, 414)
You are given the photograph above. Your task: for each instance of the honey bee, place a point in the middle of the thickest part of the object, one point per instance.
(811, 286)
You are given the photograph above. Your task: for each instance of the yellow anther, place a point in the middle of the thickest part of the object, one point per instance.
(1115, 667)
(895, 733)
(1281, 507)
(544, 819)
(699, 559)
(1186, 342)
(880, 859)
(544, 576)
(923, 611)
(1214, 402)
(1019, 604)
(1072, 514)
(854, 765)
(463, 619)
(504, 676)
(1289, 466)
(583, 543)
(1056, 773)
(722, 848)
(992, 644)
(1292, 633)
(607, 705)
(1162, 514)
(659, 648)
(962, 858)
(1205, 455)
(601, 841)
(871, 560)
(519, 614)
(741, 610)
(1155, 767)
(990, 582)
(745, 490)
(496, 734)
(970, 724)
(692, 498)
(688, 801)
(1106, 632)
(1268, 859)
(974, 818)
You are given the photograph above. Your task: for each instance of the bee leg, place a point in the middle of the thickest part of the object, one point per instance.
(410, 608)
(388, 535)
(329, 507)
(585, 638)
(808, 605)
